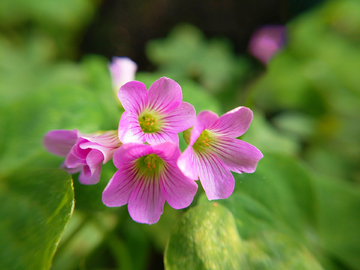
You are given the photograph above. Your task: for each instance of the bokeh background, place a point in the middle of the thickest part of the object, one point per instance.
(299, 210)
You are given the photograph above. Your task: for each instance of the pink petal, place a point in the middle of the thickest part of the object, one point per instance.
(187, 163)
(106, 152)
(129, 129)
(146, 203)
(178, 190)
(239, 156)
(122, 70)
(160, 137)
(164, 95)
(133, 96)
(167, 151)
(266, 41)
(130, 152)
(203, 121)
(107, 139)
(71, 170)
(118, 190)
(94, 159)
(107, 143)
(90, 177)
(60, 142)
(181, 118)
(233, 123)
(77, 156)
(216, 179)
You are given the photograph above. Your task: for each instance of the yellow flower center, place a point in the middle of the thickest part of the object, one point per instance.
(149, 123)
(204, 141)
(150, 164)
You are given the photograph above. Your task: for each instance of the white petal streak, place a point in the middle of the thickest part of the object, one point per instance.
(129, 129)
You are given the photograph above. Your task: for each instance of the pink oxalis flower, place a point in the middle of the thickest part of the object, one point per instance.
(214, 151)
(153, 116)
(147, 176)
(266, 41)
(122, 70)
(83, 153)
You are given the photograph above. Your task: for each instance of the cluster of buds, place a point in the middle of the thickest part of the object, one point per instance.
(145, 150)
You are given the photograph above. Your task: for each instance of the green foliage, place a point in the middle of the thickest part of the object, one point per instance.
(206, 237)
(186, 53)
(299, 210)
(284, 216)
(36, 206)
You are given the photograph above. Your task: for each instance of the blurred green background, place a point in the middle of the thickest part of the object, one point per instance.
(299, 210)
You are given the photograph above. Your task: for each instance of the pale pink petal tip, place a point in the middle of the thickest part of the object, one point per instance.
(266, 41)
(233, 123)
(122, 70)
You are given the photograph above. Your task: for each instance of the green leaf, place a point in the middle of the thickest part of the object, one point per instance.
(36, 206)
(338, 212)
(284, 187)
(267, 138)
(205, 238)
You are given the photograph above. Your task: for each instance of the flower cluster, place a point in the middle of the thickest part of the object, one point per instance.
(151, 167)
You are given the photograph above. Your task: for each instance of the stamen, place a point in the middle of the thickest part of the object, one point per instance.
(148, 123)
(203, 140)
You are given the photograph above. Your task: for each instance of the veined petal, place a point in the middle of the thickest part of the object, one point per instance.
(187, 163)
(108, 138)
(160, 137)
(77, 156)
(107, 143)
(239, 156)
(118, 190)
(107, 153)
(94, 159)
(146, 203)
(181, 118)
(178, 190)
(128, 153)
(233, 123)
(60, 142)
(133, 96)
(90, 176)
(129, 129)
(203, 121)
(164, 95)
(215, 177)
(167, 151)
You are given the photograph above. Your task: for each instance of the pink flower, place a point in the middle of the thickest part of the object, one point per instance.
(83, 153)
(266, 41)
(122, 70)
(214, 151)
(153, 116)
(147, 176)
